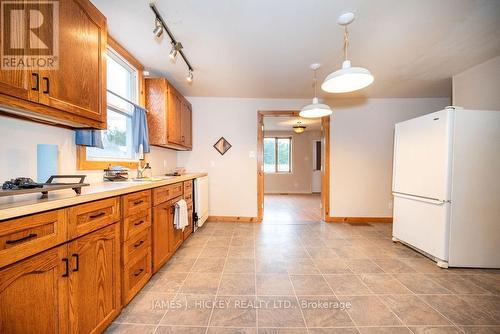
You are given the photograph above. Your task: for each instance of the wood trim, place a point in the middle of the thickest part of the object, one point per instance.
(81, 151)
(233, 219)
(359, 220)
(325, 176)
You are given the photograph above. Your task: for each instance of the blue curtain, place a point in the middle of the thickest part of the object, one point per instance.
(140, 130)
(91, 138)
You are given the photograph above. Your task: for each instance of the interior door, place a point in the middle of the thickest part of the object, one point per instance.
(33, 294)
(19, 82)
(94, 283)
(422, 148)
(316, 166)
(78, 86)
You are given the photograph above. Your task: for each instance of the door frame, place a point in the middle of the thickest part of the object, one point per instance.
(325, 167)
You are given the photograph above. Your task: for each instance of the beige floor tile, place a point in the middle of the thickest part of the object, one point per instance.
(189, 310)
(488, 304)
(370, 311)
(271, 265)
(411, 310)
(435, 330)
(324, 312)
(130, 329)
(146, 308)
(423, 265)
(481, 330)
(235, 330)
(310, 285)
(201, 283)
(421, 284)
(362, 266)
(394, 266)
(237, 311)
(283, 331)
(237, 284)
(301, 266)
(457, 284)
(166, 282)
(239, 265)
(279, 311)
(458, 311)
(332, 266)
(242, 252)
(347, 284)
(345, 330)
(349, 252)
(182, 265)
(274, 284)
(214, 251)
(209, 265)
(384, 330)
(490, 283)
(383, 284)
(180, 330)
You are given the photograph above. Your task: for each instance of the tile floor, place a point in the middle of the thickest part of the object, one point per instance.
(311, 278)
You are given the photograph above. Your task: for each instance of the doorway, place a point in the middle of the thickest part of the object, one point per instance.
(292, 167)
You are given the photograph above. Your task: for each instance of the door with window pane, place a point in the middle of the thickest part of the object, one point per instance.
(277, 155)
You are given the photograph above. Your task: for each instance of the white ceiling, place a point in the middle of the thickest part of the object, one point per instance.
(263, 48)
(286, 123)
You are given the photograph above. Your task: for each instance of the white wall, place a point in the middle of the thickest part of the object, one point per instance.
(478, 87)
(300, 179)
(19, 158)
(361, 151)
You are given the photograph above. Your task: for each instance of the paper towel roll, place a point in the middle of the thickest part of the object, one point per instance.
(46, 161)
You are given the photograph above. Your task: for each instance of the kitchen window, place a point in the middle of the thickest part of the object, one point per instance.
(122, 79)
(277, 155)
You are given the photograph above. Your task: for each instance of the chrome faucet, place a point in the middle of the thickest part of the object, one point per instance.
(142, 170)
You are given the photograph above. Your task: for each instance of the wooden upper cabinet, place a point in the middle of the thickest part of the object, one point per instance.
(169, 116)
(94, 280)
(75, 92)
(33, 294)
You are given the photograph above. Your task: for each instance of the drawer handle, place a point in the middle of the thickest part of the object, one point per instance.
(100, 214)
(139, 223)
(139, 202)
(37, 82)
(138, 272)
(29, 236)
(66, 267)
(137, 244)
(77, 263)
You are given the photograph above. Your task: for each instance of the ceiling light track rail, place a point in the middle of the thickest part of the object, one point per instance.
(173, 41)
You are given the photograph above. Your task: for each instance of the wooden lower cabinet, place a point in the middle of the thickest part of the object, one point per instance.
(34, 294)
(162, 218)
(72, 288)
(94, 280)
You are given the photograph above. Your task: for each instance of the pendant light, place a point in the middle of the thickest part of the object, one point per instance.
(315, 109)
(299, 128)
(347, 79)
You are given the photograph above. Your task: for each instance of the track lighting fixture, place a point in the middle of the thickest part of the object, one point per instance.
(190, 77)
(158, 30)
(160, 27)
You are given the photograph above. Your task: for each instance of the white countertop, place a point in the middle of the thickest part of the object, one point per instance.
(21, 205)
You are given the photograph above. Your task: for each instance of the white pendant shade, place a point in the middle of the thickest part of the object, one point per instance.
(347, 79)
(315, 110)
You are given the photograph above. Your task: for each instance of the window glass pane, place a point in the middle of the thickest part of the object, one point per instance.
(269, 155)
(283, 154)
(117, 139)
(120, 80)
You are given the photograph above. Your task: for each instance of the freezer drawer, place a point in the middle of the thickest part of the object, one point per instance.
(423, 224)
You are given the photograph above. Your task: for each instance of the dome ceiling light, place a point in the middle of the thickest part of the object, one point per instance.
(315, 109)
(299, 128)
(347, 79)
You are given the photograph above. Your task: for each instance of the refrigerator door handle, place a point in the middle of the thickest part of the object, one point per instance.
(420, 199)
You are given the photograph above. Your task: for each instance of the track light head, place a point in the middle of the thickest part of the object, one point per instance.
(158, 30)
(176, 47)
(190, 77)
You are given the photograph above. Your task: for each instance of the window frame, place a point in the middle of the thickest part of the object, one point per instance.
(276, 171)
(81, 151)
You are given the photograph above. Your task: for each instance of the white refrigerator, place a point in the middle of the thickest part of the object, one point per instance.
(446, 186)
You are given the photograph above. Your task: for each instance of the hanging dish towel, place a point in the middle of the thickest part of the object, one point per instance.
(181, 215)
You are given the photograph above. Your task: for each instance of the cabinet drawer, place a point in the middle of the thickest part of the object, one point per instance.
(165, 193)
(23, 237)
(188, 197)
(136, 274)
(92, 216)
(135, 245)
(136, 202)
(136, 223)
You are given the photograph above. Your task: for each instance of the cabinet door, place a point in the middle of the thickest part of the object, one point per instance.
(33, 294)
(175, 236)
(94, 283)
(189, 229)
(19, 83)
(186, 125)
(79, 85)
(174, 118)
(161, 221)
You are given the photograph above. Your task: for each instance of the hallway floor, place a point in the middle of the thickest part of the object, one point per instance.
(312, 278)
(292, 209)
